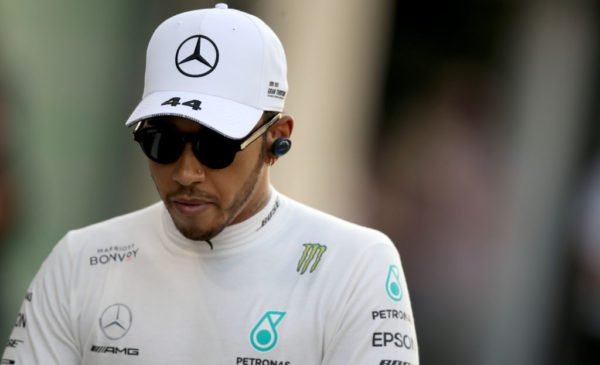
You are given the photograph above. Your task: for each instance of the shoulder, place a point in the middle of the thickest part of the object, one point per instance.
(116, 232)
(349, 239)
(146, 214)
(329, 224)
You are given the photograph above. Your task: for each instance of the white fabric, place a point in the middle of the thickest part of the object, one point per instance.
(133, 290)
(220, 67)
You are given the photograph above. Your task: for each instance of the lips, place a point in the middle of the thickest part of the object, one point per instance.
(190, 206)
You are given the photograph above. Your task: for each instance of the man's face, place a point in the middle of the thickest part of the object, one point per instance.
(203, 201)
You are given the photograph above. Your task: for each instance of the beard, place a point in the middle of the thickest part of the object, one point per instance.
(228, 214)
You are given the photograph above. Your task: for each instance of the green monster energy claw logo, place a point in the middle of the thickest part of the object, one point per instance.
(264, 335)
(312, 253)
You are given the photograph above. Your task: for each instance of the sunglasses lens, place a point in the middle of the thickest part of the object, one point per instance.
(164, 146)
(160, 146)
(215, 151)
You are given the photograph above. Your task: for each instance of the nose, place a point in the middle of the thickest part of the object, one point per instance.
(188, 170)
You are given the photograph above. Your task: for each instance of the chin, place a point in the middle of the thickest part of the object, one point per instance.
(195, 233)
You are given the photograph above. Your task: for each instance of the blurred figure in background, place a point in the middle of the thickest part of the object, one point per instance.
(586, 301)
(470, 174)
(440, 187)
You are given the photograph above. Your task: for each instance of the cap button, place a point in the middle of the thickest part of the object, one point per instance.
(221, 6)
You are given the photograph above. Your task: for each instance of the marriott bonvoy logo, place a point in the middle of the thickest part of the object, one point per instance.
(114, 254)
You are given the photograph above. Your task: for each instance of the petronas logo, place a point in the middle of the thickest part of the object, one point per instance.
(264, 335)
(312, 254)
(392, 284)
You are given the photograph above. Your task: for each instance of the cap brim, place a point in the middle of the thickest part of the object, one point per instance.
(232, 119)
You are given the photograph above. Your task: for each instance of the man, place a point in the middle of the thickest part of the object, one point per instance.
(224, 270)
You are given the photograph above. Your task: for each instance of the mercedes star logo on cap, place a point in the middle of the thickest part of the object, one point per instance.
(116, 321)
(197, 56)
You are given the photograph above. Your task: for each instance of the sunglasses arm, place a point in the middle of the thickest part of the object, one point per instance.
(138, 126)
(259, 132)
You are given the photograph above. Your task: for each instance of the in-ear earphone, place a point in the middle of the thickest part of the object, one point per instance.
(281, 146)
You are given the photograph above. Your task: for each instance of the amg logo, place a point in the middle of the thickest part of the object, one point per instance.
(115, 350)
(394, 362)
(312, 253)
(7, 362)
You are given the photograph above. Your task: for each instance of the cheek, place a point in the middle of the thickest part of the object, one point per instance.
(246, 161)
(227, 181)
(161, 175)
(230, 180)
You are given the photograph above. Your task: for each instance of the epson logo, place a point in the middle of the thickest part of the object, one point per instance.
(128, 351)
(383, 339)
(394, 362)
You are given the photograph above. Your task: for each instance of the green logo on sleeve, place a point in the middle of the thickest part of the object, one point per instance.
(264, 335)
(312, 253)
(392, 284)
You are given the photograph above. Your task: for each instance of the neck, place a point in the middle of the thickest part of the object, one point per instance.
(258, 198)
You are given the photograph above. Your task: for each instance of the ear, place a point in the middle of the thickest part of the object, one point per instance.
(282, 129)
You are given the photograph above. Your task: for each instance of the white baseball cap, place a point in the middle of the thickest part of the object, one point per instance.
(219, 67)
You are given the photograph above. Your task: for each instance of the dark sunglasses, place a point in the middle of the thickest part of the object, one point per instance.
(164, 144)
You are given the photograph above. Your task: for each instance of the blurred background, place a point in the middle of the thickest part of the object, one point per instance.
(468, 131)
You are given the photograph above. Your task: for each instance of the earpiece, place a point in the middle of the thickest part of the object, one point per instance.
(281, 146)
